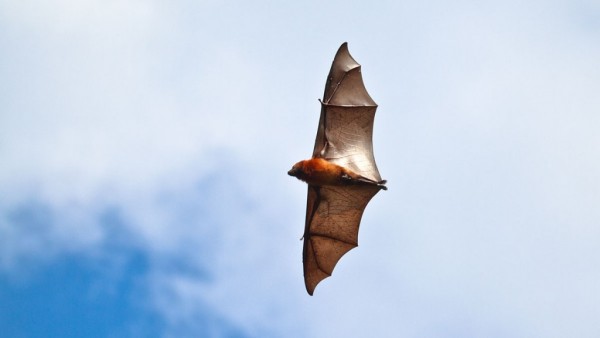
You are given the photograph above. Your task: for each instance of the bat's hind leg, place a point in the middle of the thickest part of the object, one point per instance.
(359, 179)
(381, 184)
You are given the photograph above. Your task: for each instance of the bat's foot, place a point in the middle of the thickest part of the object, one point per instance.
(363, 180)
(347, 178)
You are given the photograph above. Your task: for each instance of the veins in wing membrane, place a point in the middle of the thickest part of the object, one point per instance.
(337, 85)
(333, 238)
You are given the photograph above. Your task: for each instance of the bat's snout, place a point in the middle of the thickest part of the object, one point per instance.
(297, 170)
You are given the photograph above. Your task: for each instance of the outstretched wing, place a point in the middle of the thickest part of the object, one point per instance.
(333, 216)
(345, 134)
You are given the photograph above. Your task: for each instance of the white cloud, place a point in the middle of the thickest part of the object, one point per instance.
(185, 119)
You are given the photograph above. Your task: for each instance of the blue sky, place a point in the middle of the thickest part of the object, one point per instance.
(144, 147)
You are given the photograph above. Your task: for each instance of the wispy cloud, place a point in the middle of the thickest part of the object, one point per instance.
(152, 139)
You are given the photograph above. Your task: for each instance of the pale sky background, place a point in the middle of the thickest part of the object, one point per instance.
(144, 147)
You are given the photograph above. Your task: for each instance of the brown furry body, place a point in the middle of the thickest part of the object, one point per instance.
(320, 172)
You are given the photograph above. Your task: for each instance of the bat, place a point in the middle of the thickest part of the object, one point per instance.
(342, 175)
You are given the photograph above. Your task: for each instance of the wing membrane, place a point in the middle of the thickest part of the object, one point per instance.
(332, 222)
(345, 131)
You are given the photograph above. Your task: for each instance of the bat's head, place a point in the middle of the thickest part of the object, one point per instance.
(298, 171)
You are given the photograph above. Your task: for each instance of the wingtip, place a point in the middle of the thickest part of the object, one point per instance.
(344, 64)
(311, 285)
(344, 50)
(310, 288)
